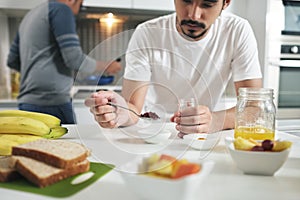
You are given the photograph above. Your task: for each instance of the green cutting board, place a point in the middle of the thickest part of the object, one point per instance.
(62, 188)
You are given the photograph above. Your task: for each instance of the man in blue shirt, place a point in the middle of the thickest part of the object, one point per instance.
(46, 51)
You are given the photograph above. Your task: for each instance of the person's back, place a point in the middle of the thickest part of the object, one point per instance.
(46, 79)
(46, 51)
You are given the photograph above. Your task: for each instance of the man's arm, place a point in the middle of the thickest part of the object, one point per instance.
(223, 120)
(134, 93)
(13, 60)
(63, 26)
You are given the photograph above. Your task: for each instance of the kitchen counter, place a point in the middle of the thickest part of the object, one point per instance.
(119, 146)
(84, 116)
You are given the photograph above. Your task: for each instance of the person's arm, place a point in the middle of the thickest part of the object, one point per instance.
(13, 60)
(134, 93)
(63, 27)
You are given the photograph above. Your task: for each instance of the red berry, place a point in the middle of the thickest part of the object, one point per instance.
(267, 145)
(257, 148)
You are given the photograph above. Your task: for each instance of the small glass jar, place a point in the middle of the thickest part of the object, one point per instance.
(255, 114)
(184, 103)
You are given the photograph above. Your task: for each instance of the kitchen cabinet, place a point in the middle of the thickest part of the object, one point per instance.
(109, 4)
(153, 5)
(20, 4)
(132, 4)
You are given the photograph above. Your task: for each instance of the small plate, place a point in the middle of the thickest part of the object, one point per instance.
(201, 141)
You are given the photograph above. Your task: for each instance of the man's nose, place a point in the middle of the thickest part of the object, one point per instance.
(195, 12)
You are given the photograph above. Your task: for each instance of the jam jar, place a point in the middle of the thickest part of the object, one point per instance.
(255, 114)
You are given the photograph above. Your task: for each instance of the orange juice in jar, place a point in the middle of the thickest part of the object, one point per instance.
(256, 133)
(255, 114)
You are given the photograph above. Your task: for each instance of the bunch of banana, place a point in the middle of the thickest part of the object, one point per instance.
(49, 120)
(23, 125)
(19, 127)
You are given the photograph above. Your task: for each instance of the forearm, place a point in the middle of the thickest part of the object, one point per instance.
(132, 118)
(223, 120)
(75, 59)
(134, 93)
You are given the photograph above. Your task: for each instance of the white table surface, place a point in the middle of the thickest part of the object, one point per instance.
(119, 146)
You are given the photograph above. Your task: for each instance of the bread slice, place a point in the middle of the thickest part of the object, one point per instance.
(42, 174)
(58, 153)
(7, 170)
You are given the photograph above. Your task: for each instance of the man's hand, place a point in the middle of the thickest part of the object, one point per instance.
(196, 119)
(107, 116)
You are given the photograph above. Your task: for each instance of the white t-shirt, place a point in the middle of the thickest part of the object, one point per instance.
(178, 68)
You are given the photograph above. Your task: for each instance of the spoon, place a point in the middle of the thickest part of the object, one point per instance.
(148, 115)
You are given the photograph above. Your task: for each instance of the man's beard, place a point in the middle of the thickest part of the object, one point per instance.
(191, 32)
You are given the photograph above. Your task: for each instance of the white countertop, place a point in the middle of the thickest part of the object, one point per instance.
(119, 146)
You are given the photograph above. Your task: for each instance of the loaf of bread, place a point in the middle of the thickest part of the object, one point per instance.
(7, 170)
(42, 174)
(58, 153)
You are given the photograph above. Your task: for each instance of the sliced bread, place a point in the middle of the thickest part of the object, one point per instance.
(7, 170)
(58, 153)
(42, 174)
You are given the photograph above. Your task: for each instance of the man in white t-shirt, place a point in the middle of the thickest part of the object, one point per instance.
(192, 53)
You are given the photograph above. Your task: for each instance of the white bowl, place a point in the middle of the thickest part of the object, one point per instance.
(154, 136)
(257, 162)
(149, 187)
(201, 141)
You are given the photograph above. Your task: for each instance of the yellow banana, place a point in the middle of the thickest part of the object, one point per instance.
(56, 132)
(6, 147)
(7, 141)
(23, 125)
(20, 138)
(50, 120)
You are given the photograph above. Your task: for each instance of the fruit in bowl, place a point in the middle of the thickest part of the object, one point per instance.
(169, 167)
(265, 145)
(258, 157)
(162, 177)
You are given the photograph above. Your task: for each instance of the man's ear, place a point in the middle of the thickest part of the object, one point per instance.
(226, 3)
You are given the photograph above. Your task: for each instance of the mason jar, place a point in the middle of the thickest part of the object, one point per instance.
(255, 114)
